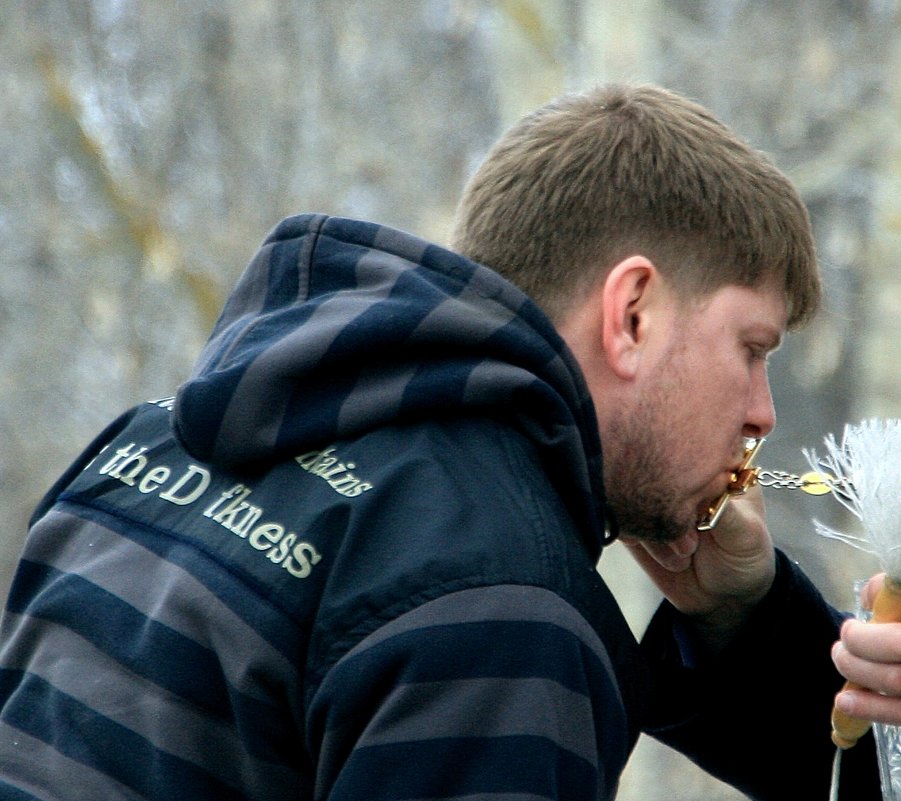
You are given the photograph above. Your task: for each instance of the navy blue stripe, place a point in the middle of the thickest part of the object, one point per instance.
(312, 412)
(437, 286)
(446, 262)
(520, 348)
(283, 280)
(461, 767)
(296, 226)
(336, 266)
(180, 665)
(267, 332)
(359, 232)
(43, 712)
(10, 793)
(205, 406)
(490, 649)
(269, 733)
(431, 390)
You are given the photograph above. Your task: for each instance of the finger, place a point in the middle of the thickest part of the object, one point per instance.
(865, 705)
(881, 678)
(873, 642)
(674, 557)
(870, 590)
(743, 525)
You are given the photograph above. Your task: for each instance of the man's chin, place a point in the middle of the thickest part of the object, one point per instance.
(658, 529)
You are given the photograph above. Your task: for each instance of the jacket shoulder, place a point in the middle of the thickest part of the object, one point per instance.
(451, 505)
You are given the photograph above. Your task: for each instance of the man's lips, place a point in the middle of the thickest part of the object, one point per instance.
(718, 486)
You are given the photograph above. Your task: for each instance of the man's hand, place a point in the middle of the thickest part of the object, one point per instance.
(869, 655)
(718, 576)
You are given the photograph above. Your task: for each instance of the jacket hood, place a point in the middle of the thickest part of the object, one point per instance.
(339, 326)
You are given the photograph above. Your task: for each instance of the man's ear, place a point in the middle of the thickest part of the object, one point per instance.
(628, 292)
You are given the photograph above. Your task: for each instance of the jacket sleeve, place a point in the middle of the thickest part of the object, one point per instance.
(490, 690)
(757, 715)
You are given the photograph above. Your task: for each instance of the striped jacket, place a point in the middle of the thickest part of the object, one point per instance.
(352, 558)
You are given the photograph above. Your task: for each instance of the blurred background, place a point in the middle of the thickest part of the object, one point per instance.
(148, 146)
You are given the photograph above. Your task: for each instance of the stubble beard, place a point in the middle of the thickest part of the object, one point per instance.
(641, 470)
(638, 490)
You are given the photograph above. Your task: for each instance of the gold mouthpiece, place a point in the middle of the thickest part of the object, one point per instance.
(746, 476)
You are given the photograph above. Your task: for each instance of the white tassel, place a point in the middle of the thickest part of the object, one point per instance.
(867, 482)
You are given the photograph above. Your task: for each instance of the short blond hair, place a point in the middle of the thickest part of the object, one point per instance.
(594, 177)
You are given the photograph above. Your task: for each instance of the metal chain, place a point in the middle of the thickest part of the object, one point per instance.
(781, 480)
(813, 483)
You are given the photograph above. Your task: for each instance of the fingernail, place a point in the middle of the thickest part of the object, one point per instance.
(844, 701)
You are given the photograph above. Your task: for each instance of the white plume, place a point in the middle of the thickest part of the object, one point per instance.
(867, 482)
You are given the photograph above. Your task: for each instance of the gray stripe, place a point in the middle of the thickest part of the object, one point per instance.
(457, 319)
(41, 770)
(485, 378)
(377, 394)
(73, 666)
(166, 593)
(405, 245)
(480, 604)
(512, 707)
(377, 272)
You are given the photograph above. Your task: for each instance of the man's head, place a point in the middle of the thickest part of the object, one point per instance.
(672, 257)
(592, 178)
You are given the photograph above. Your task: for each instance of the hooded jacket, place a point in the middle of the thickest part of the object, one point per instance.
(352, 558)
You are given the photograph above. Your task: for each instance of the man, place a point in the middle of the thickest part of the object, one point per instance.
(354, 556)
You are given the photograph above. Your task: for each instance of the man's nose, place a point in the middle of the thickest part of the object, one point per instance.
(761, 410)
